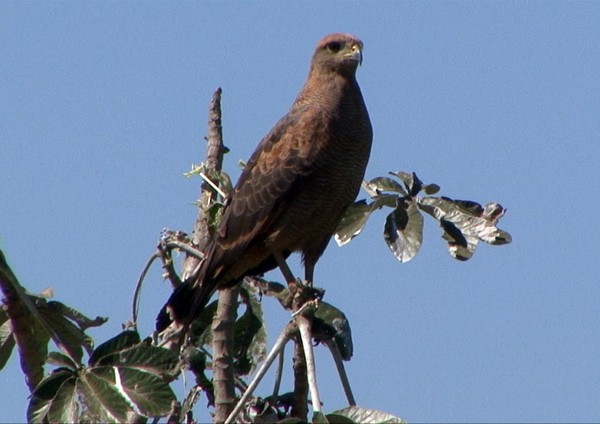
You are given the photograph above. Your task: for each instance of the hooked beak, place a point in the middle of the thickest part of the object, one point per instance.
(356, 53)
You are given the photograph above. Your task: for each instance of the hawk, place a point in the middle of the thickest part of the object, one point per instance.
(296, 186)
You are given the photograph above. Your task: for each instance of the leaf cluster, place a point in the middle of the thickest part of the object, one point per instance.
(463, 222)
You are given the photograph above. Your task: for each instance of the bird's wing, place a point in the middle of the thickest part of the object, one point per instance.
(275, 171)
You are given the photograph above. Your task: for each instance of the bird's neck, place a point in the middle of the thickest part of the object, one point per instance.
(325, 89)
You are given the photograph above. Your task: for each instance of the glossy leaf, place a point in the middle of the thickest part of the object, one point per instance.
(357, 215)
(403, 231)
(412, 183)
(103, 400)
(386, 184)
(352, 222)
(464, 223)
(145, 393)
(365, 415)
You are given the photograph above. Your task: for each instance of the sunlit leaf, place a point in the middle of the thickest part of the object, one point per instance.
(353, 222)
(356, 217)
(386, 184)
(103, 400)
(145, 393)
(412, 183)
(403, 231)
(466, 222)
(319, 418)
(365, 415)
(461, 246)
(339, 419)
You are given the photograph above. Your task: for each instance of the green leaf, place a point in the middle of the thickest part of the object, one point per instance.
(64, 407)
(7, 341)
(431, 189)
(82, 321)
(47, 392)
(102, 399)
(120, 342)
(319, 418)
(249, 335)
(145, 393)
(72, 338)
(152, 359)
(386, 184)
(403, 230)
(352, 222)
(200, 330)
(331, 323)
(339, 419)
(61, 360)
(412, 183)
(365, 415)
(356, 216)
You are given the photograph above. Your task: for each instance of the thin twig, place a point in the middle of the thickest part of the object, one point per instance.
(212, 184)
(138, 289)
(339, 364)
(186, 248)
(278, 376)
(304, 324)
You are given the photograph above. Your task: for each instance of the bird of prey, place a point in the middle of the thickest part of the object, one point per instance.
(296, 186)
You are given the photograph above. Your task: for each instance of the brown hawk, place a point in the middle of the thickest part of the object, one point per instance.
(296, 186)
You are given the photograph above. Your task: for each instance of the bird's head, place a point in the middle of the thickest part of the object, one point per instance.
(339, 52)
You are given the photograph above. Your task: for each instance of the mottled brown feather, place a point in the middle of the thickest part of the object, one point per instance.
(297, 184)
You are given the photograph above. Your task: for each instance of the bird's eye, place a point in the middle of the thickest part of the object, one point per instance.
(334, 46)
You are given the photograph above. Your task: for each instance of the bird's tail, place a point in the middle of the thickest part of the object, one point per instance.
(180, 305)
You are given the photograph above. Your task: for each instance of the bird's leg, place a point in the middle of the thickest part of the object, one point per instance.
(285, 269)
(309, 272)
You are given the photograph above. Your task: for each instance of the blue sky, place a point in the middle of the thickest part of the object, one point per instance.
(104, 107)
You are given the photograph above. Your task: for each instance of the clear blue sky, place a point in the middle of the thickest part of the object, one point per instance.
(103, 106)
